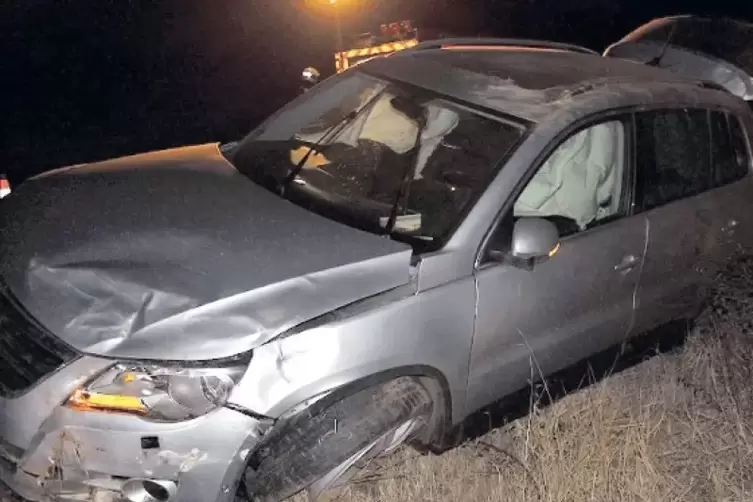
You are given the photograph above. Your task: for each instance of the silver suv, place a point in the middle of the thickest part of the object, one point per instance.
(405, 244)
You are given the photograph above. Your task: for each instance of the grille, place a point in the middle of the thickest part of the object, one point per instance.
(27, 352)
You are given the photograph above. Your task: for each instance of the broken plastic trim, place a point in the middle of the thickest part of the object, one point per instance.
(245, 411)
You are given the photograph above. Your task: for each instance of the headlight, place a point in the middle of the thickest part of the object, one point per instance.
(159, 393)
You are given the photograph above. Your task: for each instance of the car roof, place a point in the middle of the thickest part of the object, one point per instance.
(540, 69)
(526, 82)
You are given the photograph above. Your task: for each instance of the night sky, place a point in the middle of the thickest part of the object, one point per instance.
(90, 79)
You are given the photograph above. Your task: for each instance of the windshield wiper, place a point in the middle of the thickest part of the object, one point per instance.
(329, 133)
(407, 179)
(403, 190)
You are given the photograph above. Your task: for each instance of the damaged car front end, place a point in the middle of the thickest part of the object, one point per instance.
(171, 321)
(164, 412)
(161, 410)
(78, 454)
(81, 427)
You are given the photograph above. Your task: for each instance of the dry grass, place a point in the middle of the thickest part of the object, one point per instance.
(678, 427)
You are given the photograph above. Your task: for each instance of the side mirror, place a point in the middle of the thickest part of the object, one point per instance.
(534, 238)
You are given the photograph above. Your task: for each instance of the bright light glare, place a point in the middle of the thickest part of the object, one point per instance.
(326, 3)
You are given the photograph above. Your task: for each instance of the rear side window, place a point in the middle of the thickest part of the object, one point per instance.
(673, 152)
(729, 153)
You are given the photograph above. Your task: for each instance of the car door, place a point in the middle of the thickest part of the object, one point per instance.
(534, 322)
(673, 191)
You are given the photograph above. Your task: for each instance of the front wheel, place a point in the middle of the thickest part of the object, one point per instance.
(321, 450)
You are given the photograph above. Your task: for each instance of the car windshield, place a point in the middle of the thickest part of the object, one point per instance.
(380, 156)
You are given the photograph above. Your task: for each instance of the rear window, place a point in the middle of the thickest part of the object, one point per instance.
(673, 152)
(681, 153)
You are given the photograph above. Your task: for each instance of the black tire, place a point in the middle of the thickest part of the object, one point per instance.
(307, 446)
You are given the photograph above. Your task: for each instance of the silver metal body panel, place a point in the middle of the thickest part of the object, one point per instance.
(582, 305)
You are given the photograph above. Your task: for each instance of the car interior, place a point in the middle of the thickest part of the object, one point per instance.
(581, 182)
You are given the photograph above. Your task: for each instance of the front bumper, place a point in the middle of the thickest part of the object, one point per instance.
(78, 455)
(72, 455)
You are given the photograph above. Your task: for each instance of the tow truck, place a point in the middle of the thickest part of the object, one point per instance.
(392, 37)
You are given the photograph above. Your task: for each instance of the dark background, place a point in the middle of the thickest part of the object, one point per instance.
(90, 79)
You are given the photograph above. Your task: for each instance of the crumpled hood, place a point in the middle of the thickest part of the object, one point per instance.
(176, 255)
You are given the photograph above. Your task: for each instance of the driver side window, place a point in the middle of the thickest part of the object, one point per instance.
(583, 183)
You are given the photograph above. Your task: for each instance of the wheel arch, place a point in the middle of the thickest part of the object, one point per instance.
(430, 377)
(310, 428)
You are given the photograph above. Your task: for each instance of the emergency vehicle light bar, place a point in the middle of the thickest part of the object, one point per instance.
(342, 59)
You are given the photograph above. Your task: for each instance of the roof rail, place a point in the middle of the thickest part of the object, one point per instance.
(501, 42)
